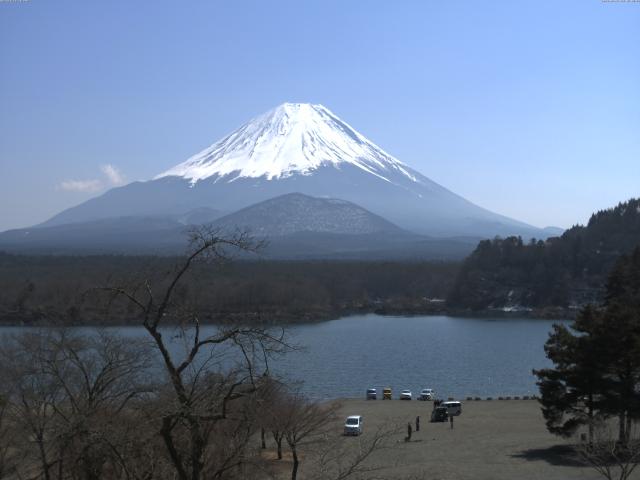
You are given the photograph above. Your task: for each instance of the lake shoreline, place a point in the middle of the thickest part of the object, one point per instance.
(285, 319)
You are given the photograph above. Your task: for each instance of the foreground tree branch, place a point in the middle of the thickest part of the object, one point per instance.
(340, 459)
(206, 395)
(612, 459)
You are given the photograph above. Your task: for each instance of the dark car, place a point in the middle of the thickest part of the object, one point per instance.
(439, 414)
(372, 394)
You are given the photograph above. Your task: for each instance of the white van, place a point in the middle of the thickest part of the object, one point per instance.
(453, 407)
(353, 425)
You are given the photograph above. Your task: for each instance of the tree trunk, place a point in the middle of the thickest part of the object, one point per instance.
(197, 449)
(278, 439)
(43, 457)
(621, 430)
(590, 420)
(174, 455)
(296, 463)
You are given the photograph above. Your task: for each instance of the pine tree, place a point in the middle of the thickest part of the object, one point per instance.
(569, 391)
(619, 343)
(596, 361)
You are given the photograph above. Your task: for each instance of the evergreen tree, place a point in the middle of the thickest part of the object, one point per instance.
(569, 391)
(619, 343)
(561, 271)
(597, 360)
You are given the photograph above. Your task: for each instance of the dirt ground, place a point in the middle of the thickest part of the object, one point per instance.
(490, 440)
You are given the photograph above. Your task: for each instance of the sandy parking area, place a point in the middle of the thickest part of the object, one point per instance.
(490, 440)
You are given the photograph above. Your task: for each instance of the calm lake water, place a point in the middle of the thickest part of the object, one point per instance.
(457, 357)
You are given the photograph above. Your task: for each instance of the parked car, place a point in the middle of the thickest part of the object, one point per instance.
(386, 393)
(405, 395)
(453, 407)
(439, 414)
(372, 394)
(353, 425)
(426, 394)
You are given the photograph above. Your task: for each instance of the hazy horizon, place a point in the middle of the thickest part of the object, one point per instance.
(529, 110)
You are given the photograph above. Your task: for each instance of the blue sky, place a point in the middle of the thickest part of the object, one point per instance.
(530, 109)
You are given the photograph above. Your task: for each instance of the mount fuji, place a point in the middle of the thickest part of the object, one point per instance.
(297, 148)
(304, 148)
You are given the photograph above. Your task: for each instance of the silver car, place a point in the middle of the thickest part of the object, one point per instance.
(353, 425)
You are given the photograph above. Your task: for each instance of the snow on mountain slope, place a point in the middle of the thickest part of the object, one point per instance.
(294, 138)
(305, 148)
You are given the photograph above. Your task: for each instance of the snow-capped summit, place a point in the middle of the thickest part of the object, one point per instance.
(299, 148)
(293, 138)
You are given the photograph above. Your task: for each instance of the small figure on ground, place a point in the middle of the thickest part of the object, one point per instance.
(418, 423)
(451, 421)
(409, 431)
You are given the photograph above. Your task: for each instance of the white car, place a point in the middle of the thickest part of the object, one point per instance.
(353, 425)
(405, 395)
(426, 394)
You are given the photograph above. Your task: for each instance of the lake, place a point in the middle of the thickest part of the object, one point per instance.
(458, 357)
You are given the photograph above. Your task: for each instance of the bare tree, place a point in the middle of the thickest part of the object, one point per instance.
(7, 454)
(303, 422)
(273, 415)
(341, 459)
(606, 454)
(68, 397)
(31, 399)
(310, 426)
(100, 375)
(210, 386)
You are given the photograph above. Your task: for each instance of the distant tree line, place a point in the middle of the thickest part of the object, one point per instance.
(59, 289)
(562, 271)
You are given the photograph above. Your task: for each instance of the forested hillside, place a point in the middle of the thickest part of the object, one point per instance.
(566, 271)
(45, 289)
